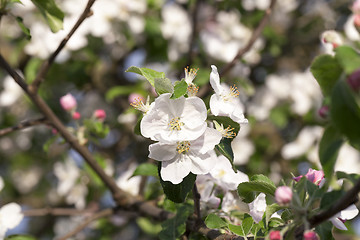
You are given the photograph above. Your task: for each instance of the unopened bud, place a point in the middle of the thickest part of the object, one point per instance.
(283, 195)
(354, 80)
(275, 235)
(324, 111)
(68, 102)
(310, 235)
(332, 37)
(100, 114)
(76, 116)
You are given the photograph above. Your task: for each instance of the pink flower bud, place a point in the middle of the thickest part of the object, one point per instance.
(331, 37)
(283, 195)
(354, 80)
(54, 131)
(310, 235)
(275, 235)
(324, 111)
(134, 97)
(76, 116)
(68, 102)
(356, 7)
(100, 114)
(313, 176)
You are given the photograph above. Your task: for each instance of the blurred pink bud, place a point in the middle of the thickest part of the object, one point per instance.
(313, 176)
(283, 195)
(357, 20)
(354, 80)
(134, 97)
(310, 235)
(54, 131)
(356, 7)
(100, 114)
(275, 235)
(76, 115)
(324, 111)
(68, 102)
(332, 37)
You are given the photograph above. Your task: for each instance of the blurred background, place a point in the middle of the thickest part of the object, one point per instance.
(280, 96)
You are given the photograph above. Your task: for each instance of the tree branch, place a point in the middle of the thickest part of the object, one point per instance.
(46, 65)
(252, 40)
(56, 212)
(24, 124)
(101, 214)
(196, 197)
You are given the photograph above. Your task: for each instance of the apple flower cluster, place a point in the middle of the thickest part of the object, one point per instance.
(185, 142)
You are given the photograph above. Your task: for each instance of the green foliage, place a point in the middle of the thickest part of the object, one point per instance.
(148, 226)
(23, 28)
(180, 89)
(345, 113)
(146, 169)
(174, 227)
(348, 58)
(325, 230)
(97, 128)
(244, 228)
(214, 221)
(329, 198)
(328, 150)
(258, 183)
(20, 237)
(270, 210)
(327, 71)
(163, 85)
(177, 192)
(351, 177)
(148, 73)
(53, 15)
(224, 147)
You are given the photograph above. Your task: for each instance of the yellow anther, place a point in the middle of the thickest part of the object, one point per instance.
(183, 147)
(175, 124)
(192, 90)
(190, 75)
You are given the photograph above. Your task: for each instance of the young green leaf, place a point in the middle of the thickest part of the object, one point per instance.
(180, 89)
(53, 15)
(270, 210)
(348, 58)
(146, 169)
(214, 221)
(25, 30)
(148, 73)
(224, 147)
(163, 85)
(258, 183)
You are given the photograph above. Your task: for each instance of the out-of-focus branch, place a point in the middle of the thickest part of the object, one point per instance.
(194, 26)
(22, 125)
(256, 33)
(349, 198)
(196, 197)
(56, 212)
(101, 214)
(46, 65)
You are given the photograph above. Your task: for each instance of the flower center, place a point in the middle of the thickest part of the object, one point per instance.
(139, 104)
(175, 124)
(233, 93)
(183, 147)
(190, 75)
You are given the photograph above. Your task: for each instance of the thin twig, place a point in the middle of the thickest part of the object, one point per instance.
(46, 65)
(56, 212)
(101, 214)
(255, 35)
(193, 32)
(22, 125)
(345, 201)
(196, 197)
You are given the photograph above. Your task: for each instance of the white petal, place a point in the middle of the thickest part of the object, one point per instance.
(257, 207)
(194, 113)
(11, 214)
(202, 163)
(215, 80)
(215, 104)
(162, 151)
(207, 141)
(349, 213)
(175, 171)
(338, 223)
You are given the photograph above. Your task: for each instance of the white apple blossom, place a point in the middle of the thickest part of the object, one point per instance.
(258, 207)
(225, 176)
(232, 202)
(127, 183)
(67, 173)
(225, 101)
(180, 158)
(346, 214)
(173, 120)
(10, 217)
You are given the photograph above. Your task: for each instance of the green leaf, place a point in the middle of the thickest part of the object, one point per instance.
(146, 169)
(348, 58)
(224, 147)
(270, 210)
(244, 228)
(176, 226)
(214, 221)
(137, 126)
(328, 150)
(148, 226)
(325, 230)
(25, 30)
(20, 237)
(148, 73)
(177, 192)
(351, 177)
(258, 183)
(329, 198)
(163, 85)
(180, 89)
(326, 71)
(53, 15)
(31, 69)
(345, 113)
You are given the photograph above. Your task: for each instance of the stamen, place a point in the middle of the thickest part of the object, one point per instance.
(183, 147)
(175, 124)
(192, 90)
(139, 104)
(233, 93)
(225, 132)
